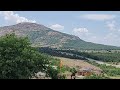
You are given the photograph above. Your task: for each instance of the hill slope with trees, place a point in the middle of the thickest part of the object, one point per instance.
(42, 36)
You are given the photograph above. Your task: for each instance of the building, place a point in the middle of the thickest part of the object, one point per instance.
(84, 72)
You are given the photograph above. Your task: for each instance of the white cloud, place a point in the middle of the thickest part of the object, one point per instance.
(99, 17)
(112, 39)
(57, 27)
(83, 33)
(111, 36)
(111, 25)
(80, 30)
(10, 16)
(94, 39)
(108, 39)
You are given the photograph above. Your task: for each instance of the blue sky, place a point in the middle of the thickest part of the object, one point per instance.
(93, 26)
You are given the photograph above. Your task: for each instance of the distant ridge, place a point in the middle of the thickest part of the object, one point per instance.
(42, 36)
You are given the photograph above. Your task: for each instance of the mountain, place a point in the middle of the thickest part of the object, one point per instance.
(42, 36)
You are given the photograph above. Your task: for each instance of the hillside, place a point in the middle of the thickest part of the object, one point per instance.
(41, 35)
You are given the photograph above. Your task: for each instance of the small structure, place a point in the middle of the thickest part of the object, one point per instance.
(84, 72)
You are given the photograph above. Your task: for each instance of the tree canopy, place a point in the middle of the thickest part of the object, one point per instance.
(18, 60)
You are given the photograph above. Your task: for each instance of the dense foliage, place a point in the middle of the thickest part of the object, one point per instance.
(18, 60)
(61, 53)
(73, 70)
(107, 56)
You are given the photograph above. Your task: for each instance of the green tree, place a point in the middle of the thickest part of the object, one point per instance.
(53, 73)
(18, 60)
(73, 70)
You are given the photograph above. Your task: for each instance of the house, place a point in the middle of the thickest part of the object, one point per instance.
(84, 72)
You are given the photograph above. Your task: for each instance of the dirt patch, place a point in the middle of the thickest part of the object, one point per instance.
(77, 63)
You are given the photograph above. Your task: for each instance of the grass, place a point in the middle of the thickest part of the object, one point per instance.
(110, 71)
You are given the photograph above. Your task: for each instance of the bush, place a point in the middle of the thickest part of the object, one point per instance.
(73, 70)
(96, 77)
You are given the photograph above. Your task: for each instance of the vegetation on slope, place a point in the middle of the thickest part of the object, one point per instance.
(73, 54)
(83, 45)
(61, 53)
(109, 70)
(103, 56)
(94, 76)
(40, 35)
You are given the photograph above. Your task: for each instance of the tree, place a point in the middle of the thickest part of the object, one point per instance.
(18, 60)
(73, 70)
(53, 73)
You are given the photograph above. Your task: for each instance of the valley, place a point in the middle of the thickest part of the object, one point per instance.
(96, 67)
(87, 59)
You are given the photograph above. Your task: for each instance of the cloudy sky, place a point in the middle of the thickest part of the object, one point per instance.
(93, 26)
